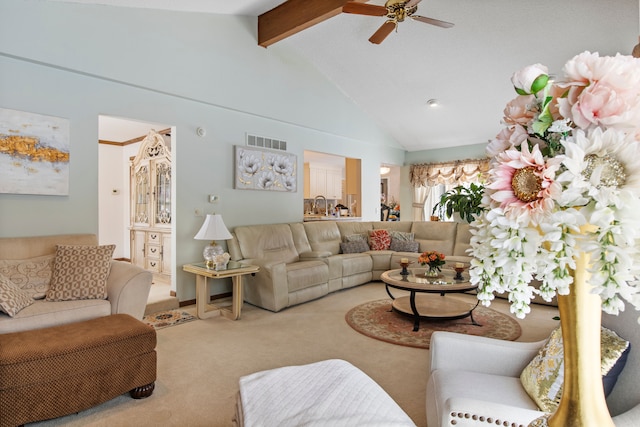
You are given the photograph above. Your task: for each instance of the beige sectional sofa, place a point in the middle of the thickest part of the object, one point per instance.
(127, 285)
(303, 261)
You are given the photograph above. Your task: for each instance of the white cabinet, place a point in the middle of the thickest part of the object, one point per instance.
(324, 182)
(318, 182)
(150, 181)
(334, 184)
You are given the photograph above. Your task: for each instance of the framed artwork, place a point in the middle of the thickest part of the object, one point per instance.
(34, 153)
(257, 169)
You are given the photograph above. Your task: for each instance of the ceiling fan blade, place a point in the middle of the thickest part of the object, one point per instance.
(432, 21)
(364, 9)
(382, 33)
(411, 3)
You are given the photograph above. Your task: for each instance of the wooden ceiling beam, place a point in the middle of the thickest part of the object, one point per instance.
(293, 16)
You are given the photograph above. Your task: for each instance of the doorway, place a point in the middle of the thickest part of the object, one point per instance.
(389, 192)
(119, 141)
(334, 180)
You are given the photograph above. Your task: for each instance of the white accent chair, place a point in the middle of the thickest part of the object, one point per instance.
(475, 381)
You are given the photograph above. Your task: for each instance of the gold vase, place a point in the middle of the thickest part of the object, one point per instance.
(583, 401)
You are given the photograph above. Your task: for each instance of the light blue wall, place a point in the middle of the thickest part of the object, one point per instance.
(80, 61)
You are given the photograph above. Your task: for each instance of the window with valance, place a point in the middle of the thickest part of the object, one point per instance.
(430, 180)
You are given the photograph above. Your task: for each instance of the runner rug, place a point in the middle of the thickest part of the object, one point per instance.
(376, 320)
(164, 319)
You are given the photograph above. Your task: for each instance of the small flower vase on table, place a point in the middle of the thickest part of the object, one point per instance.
(433, 261)
(432, 272)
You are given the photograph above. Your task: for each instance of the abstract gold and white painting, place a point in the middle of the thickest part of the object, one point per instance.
(34, 153)
(258, 169)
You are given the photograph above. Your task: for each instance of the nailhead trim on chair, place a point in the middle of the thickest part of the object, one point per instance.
(482, 419)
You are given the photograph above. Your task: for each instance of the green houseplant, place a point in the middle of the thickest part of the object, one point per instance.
(462, 200)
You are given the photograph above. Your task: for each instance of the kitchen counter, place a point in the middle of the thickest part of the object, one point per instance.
(308, 218)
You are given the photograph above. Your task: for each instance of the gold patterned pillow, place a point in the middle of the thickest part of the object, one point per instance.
(80, 272)
(543, 377)
(31, 275)
(12, 298)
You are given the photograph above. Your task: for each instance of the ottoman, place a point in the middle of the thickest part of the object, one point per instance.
(328, 393)
(51, 372)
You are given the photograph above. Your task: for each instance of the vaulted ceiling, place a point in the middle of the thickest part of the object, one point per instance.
(466, 68)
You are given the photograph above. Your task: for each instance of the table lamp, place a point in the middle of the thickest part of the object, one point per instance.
(214, 229)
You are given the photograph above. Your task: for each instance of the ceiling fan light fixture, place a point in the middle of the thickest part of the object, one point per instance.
(433, 103)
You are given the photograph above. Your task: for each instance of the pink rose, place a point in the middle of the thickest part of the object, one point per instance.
(508, 137)
(520, 110)
(602, 91)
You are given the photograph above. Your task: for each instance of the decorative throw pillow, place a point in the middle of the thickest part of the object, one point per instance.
(543, 377)
(355, 247)
(12, 298)
(31, 275)
(379, 240)
(401, 235)
(354, 237)
(80, 272)
(404, 245)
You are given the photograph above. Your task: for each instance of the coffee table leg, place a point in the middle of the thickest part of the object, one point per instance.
(416, 315)
(473, 322)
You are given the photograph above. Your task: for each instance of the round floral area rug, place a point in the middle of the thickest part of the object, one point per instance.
(375, 319)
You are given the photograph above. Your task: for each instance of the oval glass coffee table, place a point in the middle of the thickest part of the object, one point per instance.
(426, 299)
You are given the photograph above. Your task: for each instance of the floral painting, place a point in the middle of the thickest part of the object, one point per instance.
(34, 153)
(265, 170)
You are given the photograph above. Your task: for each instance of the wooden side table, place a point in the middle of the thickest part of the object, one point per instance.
(235, 270)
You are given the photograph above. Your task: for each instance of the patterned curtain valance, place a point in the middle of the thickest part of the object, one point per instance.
(457, 172)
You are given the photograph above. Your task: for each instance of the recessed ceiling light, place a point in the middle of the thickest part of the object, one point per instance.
(433, 103)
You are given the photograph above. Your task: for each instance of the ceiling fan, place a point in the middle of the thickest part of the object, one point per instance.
(395, 11)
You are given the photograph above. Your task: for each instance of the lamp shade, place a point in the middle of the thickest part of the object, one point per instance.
(213, 229)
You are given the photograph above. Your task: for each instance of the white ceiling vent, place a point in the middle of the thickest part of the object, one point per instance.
(264, 142)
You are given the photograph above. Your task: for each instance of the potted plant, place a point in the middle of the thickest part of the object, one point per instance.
(465, 201)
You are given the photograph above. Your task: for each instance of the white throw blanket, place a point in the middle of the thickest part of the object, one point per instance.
(328, 393)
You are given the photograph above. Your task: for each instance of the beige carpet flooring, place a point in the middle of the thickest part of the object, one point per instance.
(200, 362)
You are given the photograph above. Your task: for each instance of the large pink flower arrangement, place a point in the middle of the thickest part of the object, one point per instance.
(568, 155)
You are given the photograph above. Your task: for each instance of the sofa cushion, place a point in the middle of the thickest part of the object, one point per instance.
(404, 226)
(355, 247)
(354, 227)
(435, 236)
(80, 272)
(300, 239)
(323, 236)
(355, 264)
(543, 377)
(43, 314)
(402, 235)
(404, 245)
(254, 240)
(31, 275)
(12, 298)
(463, 240)
(356, 237)
(379, 240)
(305, 274)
